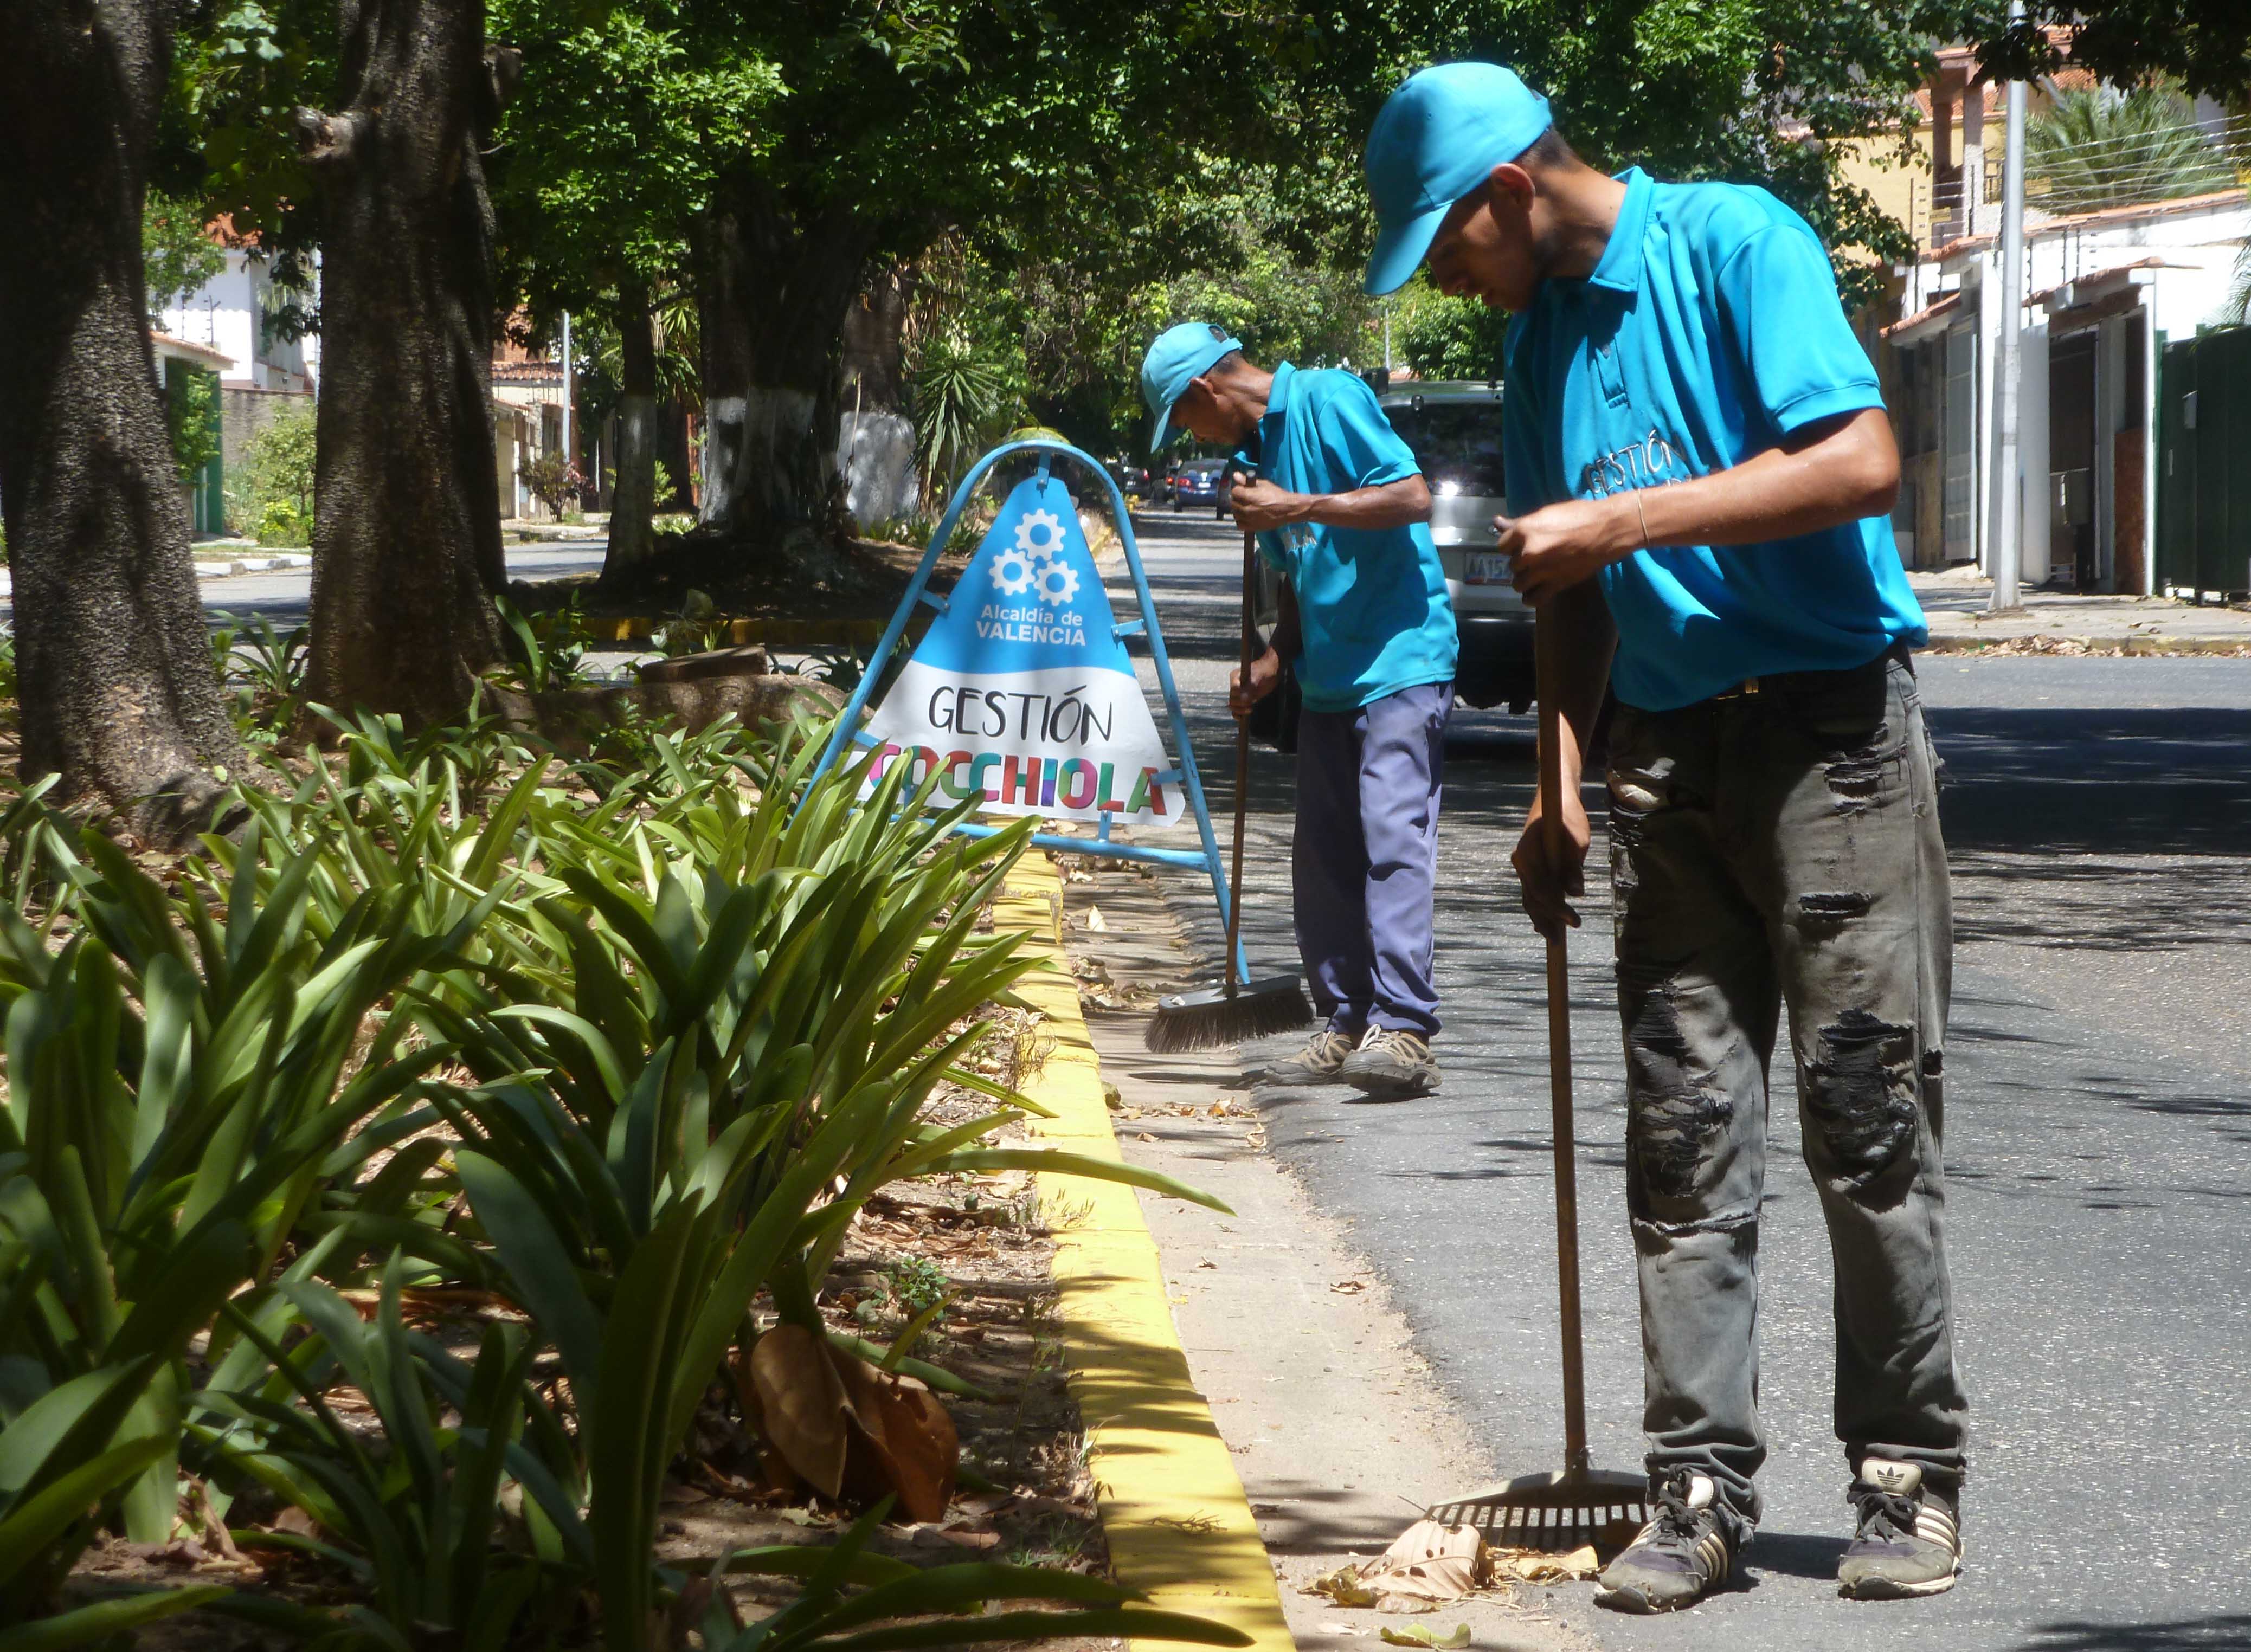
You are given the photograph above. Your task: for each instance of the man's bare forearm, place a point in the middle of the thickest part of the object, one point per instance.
(1833, 471)
(1819, 477)
(1389, 505)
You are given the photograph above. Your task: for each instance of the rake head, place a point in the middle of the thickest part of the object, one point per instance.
(1553, 1512)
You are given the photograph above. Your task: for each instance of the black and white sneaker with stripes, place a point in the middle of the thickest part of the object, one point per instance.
(1908, 1541)
(1679, 1557)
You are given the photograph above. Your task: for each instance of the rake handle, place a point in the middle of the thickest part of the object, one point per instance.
(1242, 771)
(1548, 670)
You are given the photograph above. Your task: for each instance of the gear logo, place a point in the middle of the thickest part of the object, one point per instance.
(1057, 582)
(1039, 533)
(1034, 562)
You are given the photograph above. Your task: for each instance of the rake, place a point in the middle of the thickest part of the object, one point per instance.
(1559, 1510)
(1234, 1010)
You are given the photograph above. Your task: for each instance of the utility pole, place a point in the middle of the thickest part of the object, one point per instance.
(2008, 550)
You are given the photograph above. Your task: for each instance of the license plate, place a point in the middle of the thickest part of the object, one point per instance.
(1487, 568)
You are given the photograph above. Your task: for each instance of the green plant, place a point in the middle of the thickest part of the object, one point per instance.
(699, 1020)
(959, 397)
(175, 1075)
(554, 481)
(191, 417)
(727, 1065)
(420, 1510)
(176, 249)
(270, 495)
(2101, 148)
(549, 646)
(1442, 337)
(89, 1391)
(918, 1285)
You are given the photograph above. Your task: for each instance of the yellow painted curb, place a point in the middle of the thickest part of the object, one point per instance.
(1180, 1528)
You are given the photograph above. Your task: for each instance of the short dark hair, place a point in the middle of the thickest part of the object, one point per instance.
(1549, 149)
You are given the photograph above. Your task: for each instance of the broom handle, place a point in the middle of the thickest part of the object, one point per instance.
(1242, 771)
(1576, 1456)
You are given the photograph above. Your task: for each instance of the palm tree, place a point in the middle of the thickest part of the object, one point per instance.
(2101, 148)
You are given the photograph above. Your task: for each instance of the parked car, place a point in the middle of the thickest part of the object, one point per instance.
(1198, 481)
(1453, 428)
(1132, 480)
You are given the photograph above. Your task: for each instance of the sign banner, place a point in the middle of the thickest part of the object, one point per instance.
(1022, 690)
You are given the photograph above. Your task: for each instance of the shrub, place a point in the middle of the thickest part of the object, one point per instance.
(271, 496)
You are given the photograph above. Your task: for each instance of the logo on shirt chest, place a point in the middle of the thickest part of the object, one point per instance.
(1651, 462)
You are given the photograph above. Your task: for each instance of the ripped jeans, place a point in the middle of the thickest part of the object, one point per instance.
(1767, 848)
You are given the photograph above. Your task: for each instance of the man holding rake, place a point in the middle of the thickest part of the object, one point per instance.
(1699, 473)
(1341, 511)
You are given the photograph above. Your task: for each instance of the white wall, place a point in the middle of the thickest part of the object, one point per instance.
(227, 313)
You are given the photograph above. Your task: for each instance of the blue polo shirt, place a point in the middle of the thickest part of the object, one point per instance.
(1710, 330)
(1372, 603)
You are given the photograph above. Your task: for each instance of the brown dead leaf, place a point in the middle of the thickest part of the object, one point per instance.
(1349, 1286)
(1429, 1563)
(790, 1387)
(1343, 1585)
(910, 1446)
(296, 1522)
(1537, 1565)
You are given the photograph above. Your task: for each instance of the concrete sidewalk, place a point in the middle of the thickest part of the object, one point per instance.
(2060, 622)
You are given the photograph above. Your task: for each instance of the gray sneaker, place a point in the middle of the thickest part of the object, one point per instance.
(1909, 1536)
(1393, 1063)
(1680, 1557)
(1321, 1062)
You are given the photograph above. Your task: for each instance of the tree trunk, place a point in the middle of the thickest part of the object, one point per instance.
(774, 319)
(114, 657)
(632, 536)
(406, 542)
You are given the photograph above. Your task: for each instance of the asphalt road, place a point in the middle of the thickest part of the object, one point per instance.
(285, 597)
(2099, 1155)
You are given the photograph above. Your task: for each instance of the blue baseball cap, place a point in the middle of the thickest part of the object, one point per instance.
(1180, 354)
(1438, 137)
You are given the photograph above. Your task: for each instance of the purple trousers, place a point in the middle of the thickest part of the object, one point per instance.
(1365, 857)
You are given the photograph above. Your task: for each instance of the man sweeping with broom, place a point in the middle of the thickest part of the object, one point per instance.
(1341, 510)
(1699, 471)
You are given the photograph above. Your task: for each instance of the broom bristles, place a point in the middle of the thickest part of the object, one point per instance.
(1203, 1020)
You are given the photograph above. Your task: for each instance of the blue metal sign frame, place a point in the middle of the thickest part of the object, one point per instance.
(1184, 771)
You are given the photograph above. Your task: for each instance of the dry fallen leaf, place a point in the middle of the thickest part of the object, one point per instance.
(1423, 1636)
(1537, 1565)
(1094, 920)
(845, 1428)
(1342, 1586)
(1429, 1561)
(1348, 1286)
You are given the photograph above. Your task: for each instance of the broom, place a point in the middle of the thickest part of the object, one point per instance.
(1234, 1010)
(1581, 1504)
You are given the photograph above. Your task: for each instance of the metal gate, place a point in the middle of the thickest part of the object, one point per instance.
(1961, 445)
(2203, 486)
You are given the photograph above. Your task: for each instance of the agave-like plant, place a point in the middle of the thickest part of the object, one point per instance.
(416, 1518)
(88, 1391)
(171, 1074)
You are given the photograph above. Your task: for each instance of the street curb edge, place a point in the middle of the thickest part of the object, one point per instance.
(1173, 1508)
